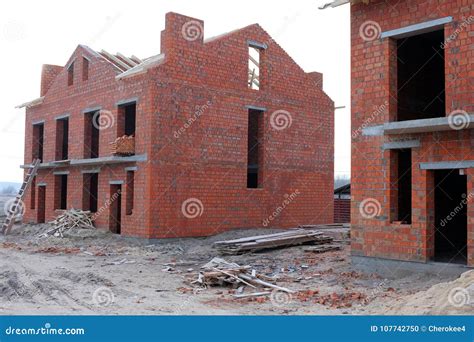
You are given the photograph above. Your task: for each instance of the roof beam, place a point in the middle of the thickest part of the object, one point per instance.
(126, 59)
(136, 59)
(115, 60)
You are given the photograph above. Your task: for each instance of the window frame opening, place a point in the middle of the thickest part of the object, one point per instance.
(420, 76)
(70, 74)
(401, 186)
(38, 141)
(255, 131)
(85, 68)
(254, 67)
(91, 134)
(130, 193)
(127, 119)
(62, 139)
(33, 194)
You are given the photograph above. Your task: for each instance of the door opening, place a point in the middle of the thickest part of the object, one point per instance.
(41, 211)
(115, 208)
(450, 217)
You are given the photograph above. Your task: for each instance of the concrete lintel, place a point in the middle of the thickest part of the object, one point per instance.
(91, 171)
(263, 109)
(397, 145)
(42, 165)
(373, 131)
(411, 30)
(131, 168)
(116, 182)
(91, 110)
(447, 165)
(42, 184)
(127, 101)
(428, 125)
(62, 116)
(91, 161)
(60, 173)
(38, 122)
(257, 45)
(110, 160)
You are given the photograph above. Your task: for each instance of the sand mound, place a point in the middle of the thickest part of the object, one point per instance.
(451, 298)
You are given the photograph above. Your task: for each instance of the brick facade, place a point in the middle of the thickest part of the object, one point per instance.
(192, 110)
(374, 103)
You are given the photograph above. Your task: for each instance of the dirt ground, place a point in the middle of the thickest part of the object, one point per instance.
(96, 272)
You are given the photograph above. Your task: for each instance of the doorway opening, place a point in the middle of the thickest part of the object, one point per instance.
(115, 216)
(41, 211)
(450, 217)
(421, 77)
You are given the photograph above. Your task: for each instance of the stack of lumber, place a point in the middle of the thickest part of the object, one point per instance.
(124, 145)
(288, 238)
(219, 272)
(70, 219)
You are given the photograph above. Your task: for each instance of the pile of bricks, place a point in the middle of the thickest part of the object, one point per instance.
(124, 145)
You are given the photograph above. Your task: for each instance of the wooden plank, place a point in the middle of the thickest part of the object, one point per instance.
(252, 238)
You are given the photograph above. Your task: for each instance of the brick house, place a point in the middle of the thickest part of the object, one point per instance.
(412, 139)
(223, 133)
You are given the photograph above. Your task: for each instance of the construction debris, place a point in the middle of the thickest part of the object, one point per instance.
(124, 145)
(70, 219)
(219, 272)
(284, 239)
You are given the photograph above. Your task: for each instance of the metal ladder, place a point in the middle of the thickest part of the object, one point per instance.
(13, 210)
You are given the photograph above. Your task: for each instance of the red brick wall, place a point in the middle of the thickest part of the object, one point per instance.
(205, 158)
(374, 103)
(342, 210)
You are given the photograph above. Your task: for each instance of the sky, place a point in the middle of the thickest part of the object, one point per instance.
(33, 33)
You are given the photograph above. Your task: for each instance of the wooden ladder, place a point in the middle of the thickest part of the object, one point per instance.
(16, 205)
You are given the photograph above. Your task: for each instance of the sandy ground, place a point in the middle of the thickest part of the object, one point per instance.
(96, 272)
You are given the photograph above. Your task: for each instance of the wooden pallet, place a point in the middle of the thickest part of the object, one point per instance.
(13, 210)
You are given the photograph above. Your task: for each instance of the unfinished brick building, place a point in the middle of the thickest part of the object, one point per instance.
(225, 132)
(412, 139)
